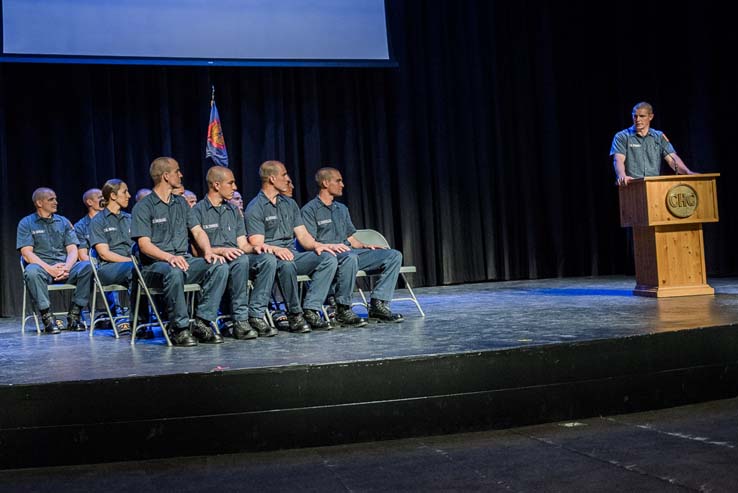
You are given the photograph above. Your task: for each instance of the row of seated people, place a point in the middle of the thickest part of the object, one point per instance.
(234, 246)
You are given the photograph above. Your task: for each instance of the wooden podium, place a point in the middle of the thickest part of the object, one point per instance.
(666, 214)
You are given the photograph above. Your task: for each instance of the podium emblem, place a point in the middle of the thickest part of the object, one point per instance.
(681, 200)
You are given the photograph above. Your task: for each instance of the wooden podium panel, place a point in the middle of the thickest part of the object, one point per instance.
(666, 214)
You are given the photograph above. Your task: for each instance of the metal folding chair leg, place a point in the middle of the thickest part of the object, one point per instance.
(152, 307)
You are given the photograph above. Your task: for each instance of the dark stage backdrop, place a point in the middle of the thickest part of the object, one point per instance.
(484, 156)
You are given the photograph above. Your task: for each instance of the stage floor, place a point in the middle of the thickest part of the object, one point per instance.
(460, 319)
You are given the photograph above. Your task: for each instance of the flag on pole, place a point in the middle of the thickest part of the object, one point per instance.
(215, 147)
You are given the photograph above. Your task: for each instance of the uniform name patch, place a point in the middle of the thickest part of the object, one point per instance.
(159, 220)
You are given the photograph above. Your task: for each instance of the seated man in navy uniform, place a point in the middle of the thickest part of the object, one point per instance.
(329, 221)
(274, 220)
(48, 244)
(159, 225)
(223, 223)
(91, 199)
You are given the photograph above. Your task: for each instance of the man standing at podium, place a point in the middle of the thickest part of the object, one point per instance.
(638, 151)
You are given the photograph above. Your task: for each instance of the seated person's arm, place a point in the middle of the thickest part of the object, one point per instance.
(148, 248)
(31, 258)
(357, 244)
(72, 255)
(83, 254)
(309, 243)
(247, 247)
(103, 251)
(203, 245)
(257, 241)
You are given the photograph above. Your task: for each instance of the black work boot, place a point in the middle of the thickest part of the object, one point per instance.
(316, 322)
(346, 316)
(298, 323)
(263, 328)
(203, 332)
(74, 321)
(379, 310)
(51, 324)
(242, 330)
(180, 336)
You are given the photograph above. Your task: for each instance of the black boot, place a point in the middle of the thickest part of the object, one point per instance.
(263, 328)
(380, 310)
(74, 321)
(346, 316)
(298, 323)
(203, 332)
(316, 322)
(51, 324)
(242, 330)
(180, 336)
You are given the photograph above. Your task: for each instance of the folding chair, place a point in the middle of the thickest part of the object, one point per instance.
(189, 289)
(102, 289)
(26, 296)
(372, 237)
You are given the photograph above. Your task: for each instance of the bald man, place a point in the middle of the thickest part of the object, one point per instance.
(224, 226)
(91, 199)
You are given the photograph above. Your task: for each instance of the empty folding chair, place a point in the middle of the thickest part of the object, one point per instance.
(373, 237)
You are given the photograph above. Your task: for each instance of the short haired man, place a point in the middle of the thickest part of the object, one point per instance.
(141, 193)
(160, 226)
(274, 220)
(224, 226)
(91, 199)
(329, 221)
(48, 245)
(638, 150)
(237, 201)
(190, 197)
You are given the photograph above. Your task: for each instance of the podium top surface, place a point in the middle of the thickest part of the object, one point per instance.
(698, 176)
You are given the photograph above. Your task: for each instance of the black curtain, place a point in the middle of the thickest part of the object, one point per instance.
(483, 156)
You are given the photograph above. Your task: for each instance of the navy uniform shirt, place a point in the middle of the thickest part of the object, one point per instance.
(223, 223)
(165, 224)
(328, 223)
(275, 221)
(643, 155)
(49, 237)
(82, 230)
(113, 230)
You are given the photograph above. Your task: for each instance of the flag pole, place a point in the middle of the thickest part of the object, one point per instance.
(212, 94)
